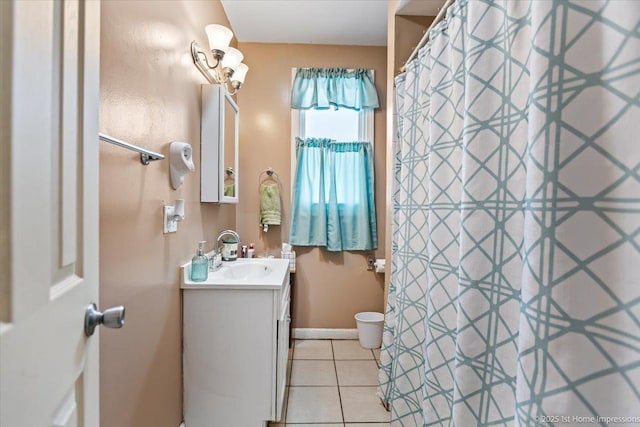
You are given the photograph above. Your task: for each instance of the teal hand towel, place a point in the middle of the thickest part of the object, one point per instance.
(270, 206)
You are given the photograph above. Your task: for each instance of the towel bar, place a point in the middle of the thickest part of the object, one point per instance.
(270, 172)
(145, 155)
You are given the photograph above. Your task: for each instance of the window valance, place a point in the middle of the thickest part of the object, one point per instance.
(322, 88)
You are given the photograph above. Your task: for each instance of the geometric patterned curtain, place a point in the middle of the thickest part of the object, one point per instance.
(515, 276)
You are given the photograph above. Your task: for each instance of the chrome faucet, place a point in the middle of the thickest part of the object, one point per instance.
(217, 256)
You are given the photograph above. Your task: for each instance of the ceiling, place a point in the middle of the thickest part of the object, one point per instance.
(344, 22)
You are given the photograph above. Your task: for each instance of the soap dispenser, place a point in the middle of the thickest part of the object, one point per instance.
(200, 264)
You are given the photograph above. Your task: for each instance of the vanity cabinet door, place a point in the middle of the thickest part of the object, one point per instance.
(282, 345)
(282, 357)
(229, 357)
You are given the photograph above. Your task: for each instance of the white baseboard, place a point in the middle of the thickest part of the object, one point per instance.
(325, 334)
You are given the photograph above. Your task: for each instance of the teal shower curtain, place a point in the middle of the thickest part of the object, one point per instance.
(515, 289)
(333, 196)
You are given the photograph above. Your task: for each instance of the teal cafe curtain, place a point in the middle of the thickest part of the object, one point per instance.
(333, 196)
(322, 88)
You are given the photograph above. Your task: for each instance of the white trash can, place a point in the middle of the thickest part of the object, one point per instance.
(370, 328)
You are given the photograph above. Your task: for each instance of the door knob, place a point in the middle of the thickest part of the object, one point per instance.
(111, 318)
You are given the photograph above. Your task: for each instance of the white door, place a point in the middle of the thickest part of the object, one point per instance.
(49, 214)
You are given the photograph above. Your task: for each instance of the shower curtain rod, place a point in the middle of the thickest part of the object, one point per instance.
(425, 36)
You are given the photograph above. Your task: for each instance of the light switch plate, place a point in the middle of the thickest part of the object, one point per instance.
(170, 226)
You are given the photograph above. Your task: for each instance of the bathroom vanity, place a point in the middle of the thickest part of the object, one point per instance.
(235, 343)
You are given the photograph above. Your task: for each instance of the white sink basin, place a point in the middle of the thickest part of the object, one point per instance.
(244, 273)
(244, 270)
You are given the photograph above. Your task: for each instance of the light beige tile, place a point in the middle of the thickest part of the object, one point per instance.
(350, 349)
(312, 349)
(368, 425)
(361, 405)
(314, 405)
(290, 355)
(289, 365)
(376, 353)
(285, 404)
(318, 425)
(357, 372)
(313, 372)
(276, 425)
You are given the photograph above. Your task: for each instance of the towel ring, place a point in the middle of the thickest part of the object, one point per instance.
(270, 172)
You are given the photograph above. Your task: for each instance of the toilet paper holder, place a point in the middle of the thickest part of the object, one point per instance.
(370, 263)
(377, 265)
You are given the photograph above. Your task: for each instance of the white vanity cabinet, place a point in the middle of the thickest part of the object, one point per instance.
(235, 350)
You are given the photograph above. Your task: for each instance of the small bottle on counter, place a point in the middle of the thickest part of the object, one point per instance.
(243, 254)
(251, 251)
(200, 264)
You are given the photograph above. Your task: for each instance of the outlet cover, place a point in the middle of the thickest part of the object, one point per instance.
(170, 226)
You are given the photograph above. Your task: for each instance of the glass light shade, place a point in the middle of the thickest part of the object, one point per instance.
(219, 37)
(240, 73)
(232, 58)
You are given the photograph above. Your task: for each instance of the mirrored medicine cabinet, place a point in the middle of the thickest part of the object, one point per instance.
(219, 146)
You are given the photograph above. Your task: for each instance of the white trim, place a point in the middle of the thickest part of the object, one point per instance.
(295, 131)
(182, 424)
(324, 334)
(365, 127)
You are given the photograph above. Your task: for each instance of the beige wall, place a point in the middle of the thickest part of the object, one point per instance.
(329, 288)
(403, 35)
(392, 6)
(150, 95)
(408, 30)
(5, 162)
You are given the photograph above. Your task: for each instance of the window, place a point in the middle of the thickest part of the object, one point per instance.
(343, 125)
(332, 187)
(340, 125)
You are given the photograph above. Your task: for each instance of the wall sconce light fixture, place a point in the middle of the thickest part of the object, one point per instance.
(228, 67)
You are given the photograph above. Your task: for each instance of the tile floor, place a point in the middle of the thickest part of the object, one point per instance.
(332, 383)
